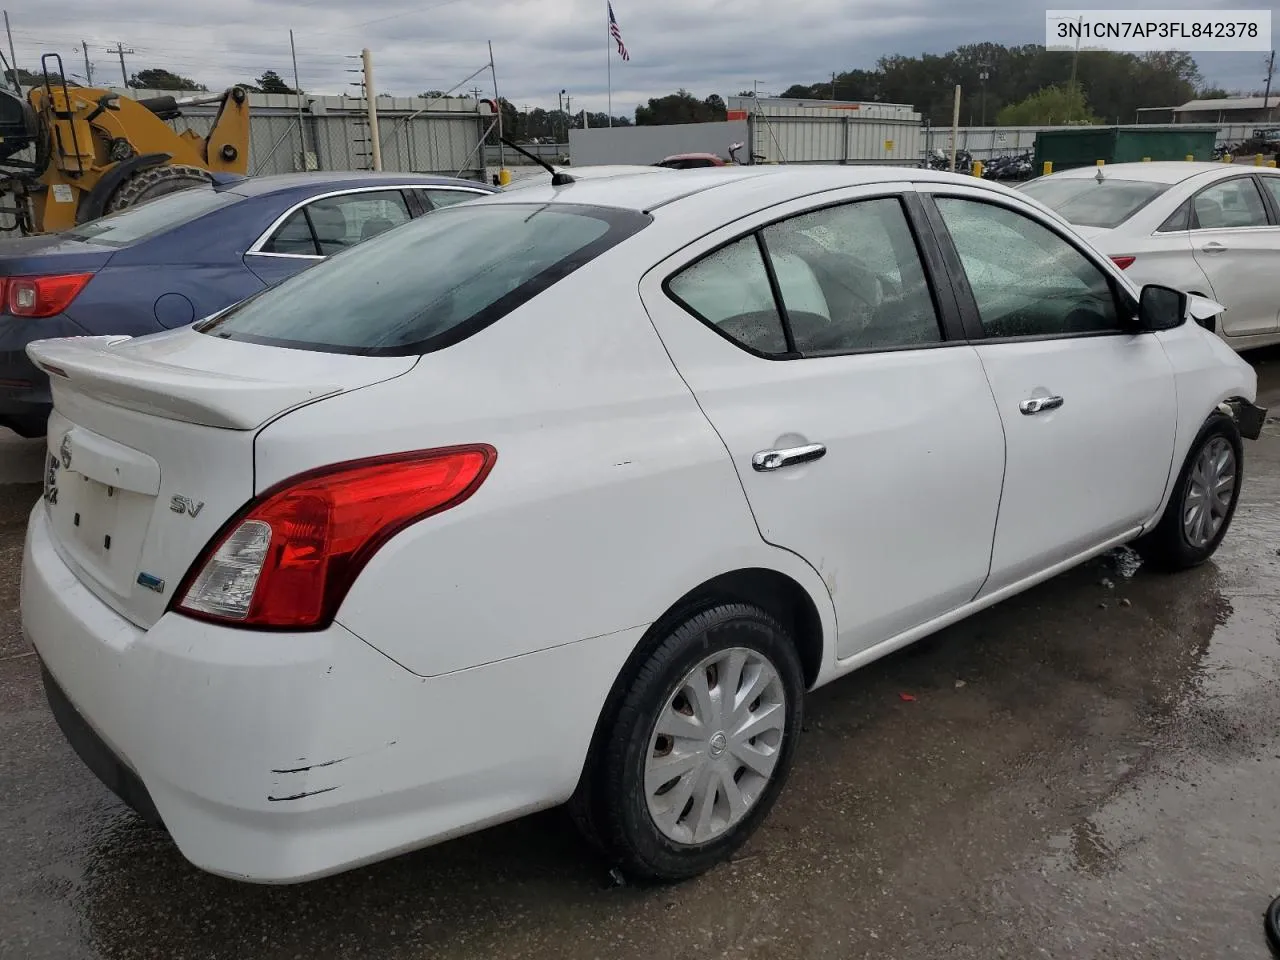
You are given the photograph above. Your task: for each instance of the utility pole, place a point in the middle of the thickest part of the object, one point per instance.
(297, 90)
(833, 84)
(121, 51)
(371, 98)
(1075, 57)
(497, 102)
(88, 67)
(983, 75)
(13, 57)
(1266, 96)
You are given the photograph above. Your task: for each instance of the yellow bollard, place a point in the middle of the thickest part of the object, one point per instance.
(1048, 168)
(977, 168)
(1190, 157)
(1271, 164)
(1102, 163)
(1257, 159)
(1228, 158)
(1146, 159)
(504, 177)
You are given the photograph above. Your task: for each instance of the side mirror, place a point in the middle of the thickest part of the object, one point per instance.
(1161, 308)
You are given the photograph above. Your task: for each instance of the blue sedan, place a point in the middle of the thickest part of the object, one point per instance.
(184, 256)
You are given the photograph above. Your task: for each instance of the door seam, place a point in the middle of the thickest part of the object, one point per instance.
(1004, 474)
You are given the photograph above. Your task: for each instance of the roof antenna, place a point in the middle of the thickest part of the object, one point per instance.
(1099, 175)
(558, 177)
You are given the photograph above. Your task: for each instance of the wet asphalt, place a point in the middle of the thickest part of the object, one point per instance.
(1091, 769)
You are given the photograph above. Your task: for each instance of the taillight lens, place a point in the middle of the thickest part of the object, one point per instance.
(37, 297)
(288, 560)
(1123, 262)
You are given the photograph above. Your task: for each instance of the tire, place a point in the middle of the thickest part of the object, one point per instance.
(714, 643)
(1170, 546)
(156, 182)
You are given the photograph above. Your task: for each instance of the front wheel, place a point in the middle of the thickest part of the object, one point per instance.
(702, 743)
(1203, 501)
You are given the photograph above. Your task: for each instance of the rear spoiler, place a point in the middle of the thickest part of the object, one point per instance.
(91, 367)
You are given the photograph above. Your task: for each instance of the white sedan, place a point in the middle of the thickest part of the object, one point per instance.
(572, 494)
(1208, 228)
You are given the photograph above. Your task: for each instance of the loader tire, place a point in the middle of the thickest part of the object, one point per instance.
(156, 182)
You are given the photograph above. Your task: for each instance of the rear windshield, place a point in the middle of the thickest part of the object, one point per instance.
(145, 220)
(431, 283)
(1088, 202)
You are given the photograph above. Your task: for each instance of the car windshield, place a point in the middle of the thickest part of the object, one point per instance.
(1088, 202)
(430, 283)
(154, 216)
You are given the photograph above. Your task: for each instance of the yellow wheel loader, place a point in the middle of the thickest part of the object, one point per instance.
(69, 154)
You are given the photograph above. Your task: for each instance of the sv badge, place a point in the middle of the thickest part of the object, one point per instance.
(188, 507)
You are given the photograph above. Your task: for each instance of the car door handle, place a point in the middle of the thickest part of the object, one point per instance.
(767, 460)
(1039, 405)
(1213, 246)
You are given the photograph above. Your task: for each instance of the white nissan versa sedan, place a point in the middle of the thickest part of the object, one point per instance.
(571, 494)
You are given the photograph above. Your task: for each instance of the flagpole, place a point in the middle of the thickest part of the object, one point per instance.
(608, 57)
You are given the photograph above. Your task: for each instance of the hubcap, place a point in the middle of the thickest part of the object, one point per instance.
(1209, 489)
(714, 746)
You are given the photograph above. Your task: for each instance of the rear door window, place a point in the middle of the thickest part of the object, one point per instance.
(1232, 203)
(294, 237)
(729, 289)
(1272, 184)
(432, 283)
(344, 221)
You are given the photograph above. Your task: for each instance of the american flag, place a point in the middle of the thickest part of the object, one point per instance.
(617, 35)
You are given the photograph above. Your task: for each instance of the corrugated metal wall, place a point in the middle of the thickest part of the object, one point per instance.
(844, 140)
(650, 144)
(444, 140)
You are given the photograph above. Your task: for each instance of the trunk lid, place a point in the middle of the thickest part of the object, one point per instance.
(151, 447)
(50, 254)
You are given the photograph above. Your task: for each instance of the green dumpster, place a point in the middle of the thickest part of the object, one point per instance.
(1085, 146)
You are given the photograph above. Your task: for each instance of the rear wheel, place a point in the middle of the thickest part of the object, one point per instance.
(1203, 501)
(701, 745)
(156, 182)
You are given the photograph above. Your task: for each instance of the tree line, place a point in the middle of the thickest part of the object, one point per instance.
(1109, 87)
(1024, 85)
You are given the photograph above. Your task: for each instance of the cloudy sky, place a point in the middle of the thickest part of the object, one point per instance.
(540, 46)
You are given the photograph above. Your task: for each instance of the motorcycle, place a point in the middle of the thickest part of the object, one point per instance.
(936, 159)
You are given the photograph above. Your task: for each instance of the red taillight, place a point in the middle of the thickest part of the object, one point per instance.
(37, 297)
(1123, 262)
(288, 559)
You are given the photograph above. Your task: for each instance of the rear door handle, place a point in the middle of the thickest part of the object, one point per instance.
(767, 460)
(1039, 405)
(1213, 246)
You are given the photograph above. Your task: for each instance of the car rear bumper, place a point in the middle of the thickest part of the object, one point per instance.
(96, 754)
(281, 757)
